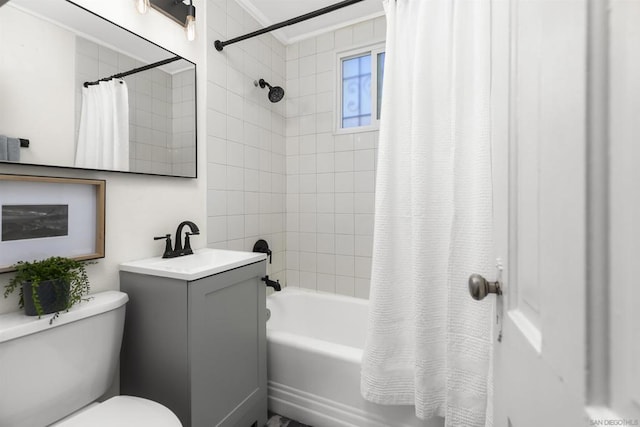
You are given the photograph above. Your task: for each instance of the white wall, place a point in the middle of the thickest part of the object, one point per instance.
(49, 100)
(330, 177)
(140, 207)
(245, 164)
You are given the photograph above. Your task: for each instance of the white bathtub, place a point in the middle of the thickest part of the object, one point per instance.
(314, 348)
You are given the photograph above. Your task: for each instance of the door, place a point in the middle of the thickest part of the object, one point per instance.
(553, 213)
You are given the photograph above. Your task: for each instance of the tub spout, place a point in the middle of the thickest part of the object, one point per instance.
(275, 285)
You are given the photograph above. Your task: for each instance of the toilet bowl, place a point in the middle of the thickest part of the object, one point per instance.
(56, 372)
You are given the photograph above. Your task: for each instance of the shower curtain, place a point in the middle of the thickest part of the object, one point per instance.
(429, 344)
(103, 138)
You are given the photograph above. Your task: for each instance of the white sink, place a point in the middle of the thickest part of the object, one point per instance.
(203, 263)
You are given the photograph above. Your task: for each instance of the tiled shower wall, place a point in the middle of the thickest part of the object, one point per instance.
(183, 125)
(161, 131)
(245, 142)
(330, 176)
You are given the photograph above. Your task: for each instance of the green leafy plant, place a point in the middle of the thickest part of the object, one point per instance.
(60, 269)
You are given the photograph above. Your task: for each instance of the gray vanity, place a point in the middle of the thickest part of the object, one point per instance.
(195, 336)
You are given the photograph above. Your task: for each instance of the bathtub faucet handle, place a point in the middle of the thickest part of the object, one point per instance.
(263, 247)
(275, 285)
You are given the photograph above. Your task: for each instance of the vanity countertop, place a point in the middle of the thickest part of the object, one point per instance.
(204, 262)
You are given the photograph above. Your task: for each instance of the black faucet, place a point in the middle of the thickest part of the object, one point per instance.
(179, 250)
(186, 250)
(275, 285)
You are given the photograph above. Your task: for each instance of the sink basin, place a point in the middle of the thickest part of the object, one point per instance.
(204, 262)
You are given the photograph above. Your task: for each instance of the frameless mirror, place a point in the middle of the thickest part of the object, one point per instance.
(142, 122)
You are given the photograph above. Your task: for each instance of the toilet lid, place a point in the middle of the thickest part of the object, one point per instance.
(124, 411)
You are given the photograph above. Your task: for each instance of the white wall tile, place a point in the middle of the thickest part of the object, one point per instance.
(325, 61)
(217, 202)
(344, 161)
(345, 182)
(364, 182)
(326, 203)
(308, 280)
(308, 144)
(308, 163)
(343, 38)
(324, 143)
(362, 266)
(324, 42)
(325, 162)
(308, 261)
(363, 160)
(325, 182)
(308, 183)
(307, 241)
(326, 243)
(235, 202)
(307, 47)
(345, 245)
(325, 223)
(326, 282)
(308, 222)
(345, 285)
(326, 263)
(363, 246)
(330, 179)
(344, 203)
(216, 229)
(344, 223)
(325, 81)
(308, 203)
(344, 142)
(293, 260)
(292, 69)
(361, 288)
(307, 66)
(364, 224)
(364, 203)
(293, 242)
(363, 32)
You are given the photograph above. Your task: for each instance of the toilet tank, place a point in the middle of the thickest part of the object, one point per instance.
(49, 371)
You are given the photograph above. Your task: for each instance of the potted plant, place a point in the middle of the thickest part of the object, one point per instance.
(50, 285)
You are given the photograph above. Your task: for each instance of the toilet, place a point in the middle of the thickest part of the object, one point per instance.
(52, 375)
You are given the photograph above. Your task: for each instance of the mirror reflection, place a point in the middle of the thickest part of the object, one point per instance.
(78, 91)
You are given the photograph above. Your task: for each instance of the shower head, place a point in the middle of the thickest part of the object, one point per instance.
(276, 93)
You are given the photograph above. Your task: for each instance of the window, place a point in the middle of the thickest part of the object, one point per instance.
(360, 82)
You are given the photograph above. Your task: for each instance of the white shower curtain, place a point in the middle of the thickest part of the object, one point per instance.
(103, 139)
(429, 344)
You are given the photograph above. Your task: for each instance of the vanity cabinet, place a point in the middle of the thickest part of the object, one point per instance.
(198, 346)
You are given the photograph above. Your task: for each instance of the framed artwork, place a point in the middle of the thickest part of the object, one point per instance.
(42, 217)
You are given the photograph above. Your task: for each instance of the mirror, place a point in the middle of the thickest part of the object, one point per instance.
(48, 50)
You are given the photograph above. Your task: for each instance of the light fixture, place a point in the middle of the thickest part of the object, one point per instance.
(142, 6)
(190, 27)
(181, 12)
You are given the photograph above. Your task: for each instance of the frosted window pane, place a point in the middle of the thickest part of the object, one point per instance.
(356, 91)
(349, 123)
(350, 67)
(365, 94)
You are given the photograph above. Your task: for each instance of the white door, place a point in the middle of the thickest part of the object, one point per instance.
(569, 354)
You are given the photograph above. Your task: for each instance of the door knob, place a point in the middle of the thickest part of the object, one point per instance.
(479, 287)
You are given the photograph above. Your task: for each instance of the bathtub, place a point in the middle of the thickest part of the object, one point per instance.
(314, 349)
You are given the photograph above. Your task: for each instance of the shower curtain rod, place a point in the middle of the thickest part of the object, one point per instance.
(135, 70)
(219, 45)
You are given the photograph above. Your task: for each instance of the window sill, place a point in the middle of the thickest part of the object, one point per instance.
(360, 129)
